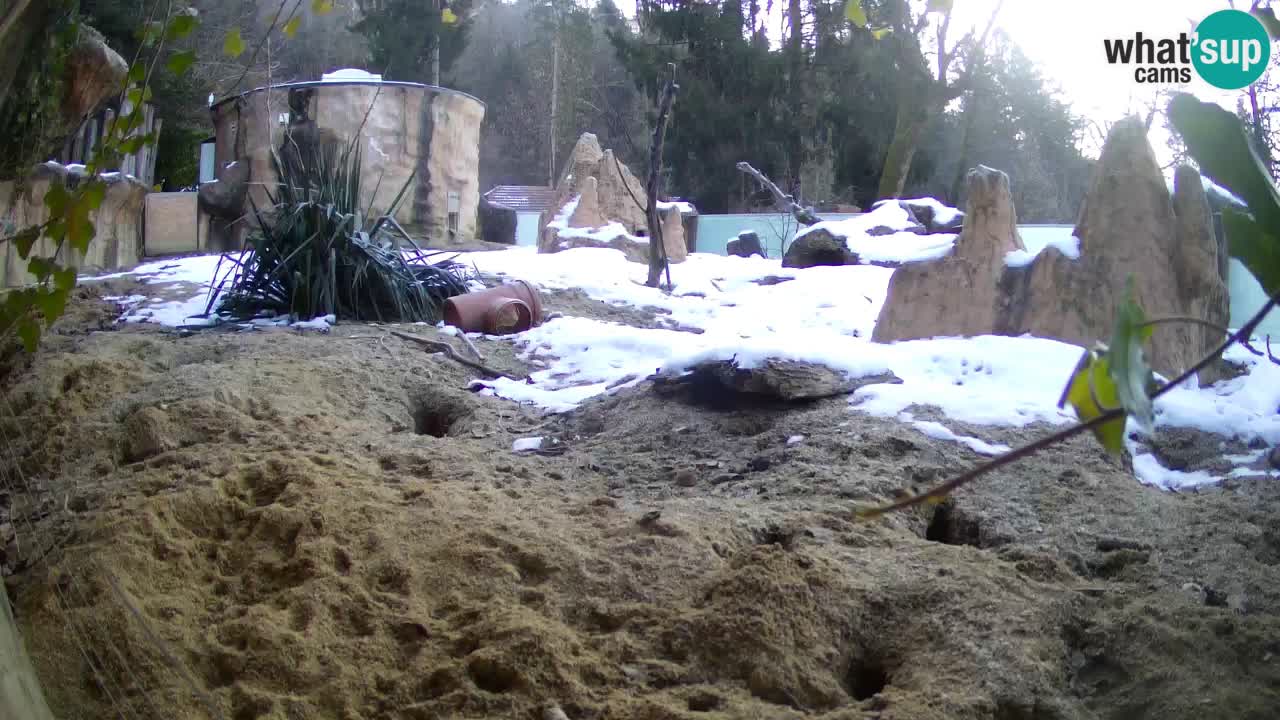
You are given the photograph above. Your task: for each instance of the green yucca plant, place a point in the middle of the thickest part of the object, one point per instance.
(317, 252)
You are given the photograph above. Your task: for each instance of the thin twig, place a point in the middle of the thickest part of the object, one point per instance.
(947, 487)
(626, 185)
(448, 350)
(258, 48)
(470, 345)
(159, 644)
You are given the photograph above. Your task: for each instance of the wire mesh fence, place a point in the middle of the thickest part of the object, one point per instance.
(94, 651)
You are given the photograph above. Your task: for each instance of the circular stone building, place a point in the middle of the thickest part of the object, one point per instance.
(424, 135)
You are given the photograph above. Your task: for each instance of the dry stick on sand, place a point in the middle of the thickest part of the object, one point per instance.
(448, 350)
(462, 335)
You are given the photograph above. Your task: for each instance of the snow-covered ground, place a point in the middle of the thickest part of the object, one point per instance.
(822, 314)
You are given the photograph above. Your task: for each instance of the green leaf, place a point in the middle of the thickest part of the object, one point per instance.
(1267, 17)
(1217, 141)
(180, 62)
(181, 26)
(80, 229)
(1091, 392)
(25, 240)
(149, 33)
(854, 13)
(52, 302)
(233, 45)
(139, 95)
(64, 278)
(16, 304)
(94, 192)
(1256, 248)
(138, 73)
(881, 33)
(41, 267)
(321, 7)
(291, 27)
(1127, 360)
(133, 144)
(56, 199)
(29, 331)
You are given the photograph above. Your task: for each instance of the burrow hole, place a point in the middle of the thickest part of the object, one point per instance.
(865, 679)
(437, 414)
(951, 526)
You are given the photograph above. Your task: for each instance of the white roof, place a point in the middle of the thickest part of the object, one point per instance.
(350, 75)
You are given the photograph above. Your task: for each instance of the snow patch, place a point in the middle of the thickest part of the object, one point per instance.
(527, 444)
(1068, 245)
(938, 431)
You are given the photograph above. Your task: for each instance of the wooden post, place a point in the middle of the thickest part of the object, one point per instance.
(155, 150)
(657, 250)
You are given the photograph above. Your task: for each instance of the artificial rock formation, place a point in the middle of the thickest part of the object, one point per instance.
(817, 248)
(94, 73)
(605, 192)
(1129, 226)
(745, 245)
(957, 294)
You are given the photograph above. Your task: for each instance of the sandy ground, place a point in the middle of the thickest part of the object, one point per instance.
(278, 525)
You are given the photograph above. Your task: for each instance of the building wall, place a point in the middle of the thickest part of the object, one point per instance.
(174, 225)
(423, 140)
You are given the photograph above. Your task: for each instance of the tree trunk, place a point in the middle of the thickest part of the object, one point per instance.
(907, 132)
(971, 104)
(795, 71)
(555, 94)
(657, 249)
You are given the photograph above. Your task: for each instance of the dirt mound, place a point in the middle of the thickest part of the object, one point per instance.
(280, 525)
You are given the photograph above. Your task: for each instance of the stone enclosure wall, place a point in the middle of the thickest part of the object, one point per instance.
(118, 223)
(424, 136)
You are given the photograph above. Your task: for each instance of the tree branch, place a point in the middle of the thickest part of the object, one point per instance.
(784, 202)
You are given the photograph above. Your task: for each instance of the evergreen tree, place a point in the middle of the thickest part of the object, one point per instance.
(408, 38)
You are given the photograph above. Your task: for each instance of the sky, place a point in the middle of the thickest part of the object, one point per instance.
(1066, 40)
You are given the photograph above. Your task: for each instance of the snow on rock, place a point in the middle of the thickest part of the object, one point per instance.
(942, 214)
(1068, 245)
(866, 236)
(683, 207)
